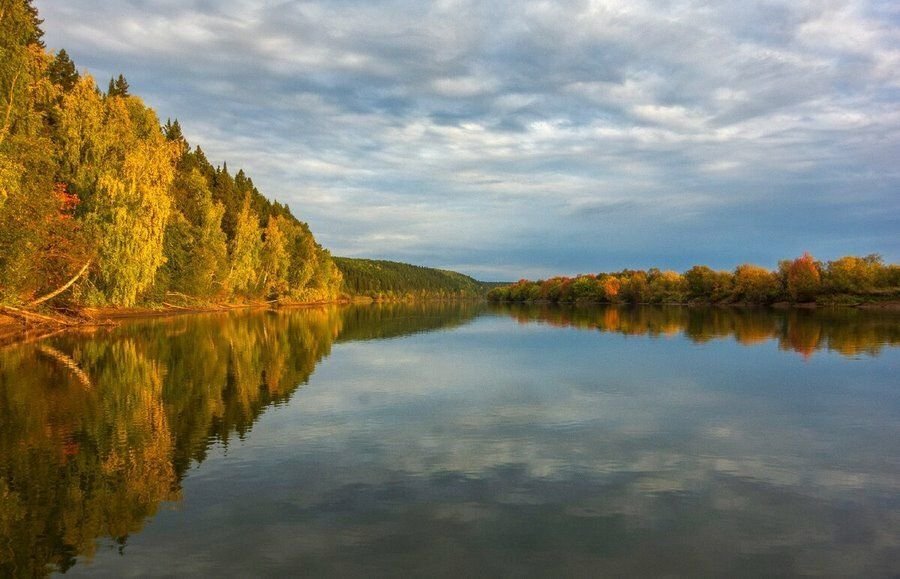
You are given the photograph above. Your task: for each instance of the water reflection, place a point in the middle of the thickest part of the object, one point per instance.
(851, 332)
(486, 450)
(97, 429)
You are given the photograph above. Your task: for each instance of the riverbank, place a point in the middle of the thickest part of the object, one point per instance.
(15, 327)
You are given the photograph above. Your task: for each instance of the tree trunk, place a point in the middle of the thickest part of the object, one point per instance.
(12, 90)
(67, 285)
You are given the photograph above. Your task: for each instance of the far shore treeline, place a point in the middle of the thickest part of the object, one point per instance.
(93, 188)
(391, 280)
(849, 280)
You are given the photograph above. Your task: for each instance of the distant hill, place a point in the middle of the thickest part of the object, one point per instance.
(391, 279)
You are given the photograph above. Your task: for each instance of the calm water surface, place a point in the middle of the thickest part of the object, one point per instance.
(456, 439)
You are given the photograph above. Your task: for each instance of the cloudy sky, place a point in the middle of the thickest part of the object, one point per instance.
(530, 138)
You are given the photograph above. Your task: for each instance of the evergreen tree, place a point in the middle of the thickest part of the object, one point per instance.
(172, 130)
(62, 71)
(121, 86)
(118, 87)
(34, 32)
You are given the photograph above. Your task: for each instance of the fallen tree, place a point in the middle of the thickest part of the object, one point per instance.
(62, 288)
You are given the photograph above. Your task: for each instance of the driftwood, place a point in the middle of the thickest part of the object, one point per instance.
(37, 327)
(29, 317)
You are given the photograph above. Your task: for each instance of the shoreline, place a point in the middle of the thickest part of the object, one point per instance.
(14, 331)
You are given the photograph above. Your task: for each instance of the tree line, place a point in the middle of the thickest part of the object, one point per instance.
(848, 280)
(99, 198)
(390, 280)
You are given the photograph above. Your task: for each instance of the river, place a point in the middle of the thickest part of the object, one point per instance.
(456, 439)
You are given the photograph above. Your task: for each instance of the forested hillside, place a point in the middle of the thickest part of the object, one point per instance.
(93, 189)
(849, 280)
(393, 280)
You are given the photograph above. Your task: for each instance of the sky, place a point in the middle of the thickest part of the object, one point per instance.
(533, 138)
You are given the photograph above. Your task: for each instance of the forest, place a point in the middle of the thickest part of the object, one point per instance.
(102, 205)
(849, 280)
(391, 280)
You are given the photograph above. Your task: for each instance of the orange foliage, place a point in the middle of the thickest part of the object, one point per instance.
(611, 286)
(67, 202)
(803, 278)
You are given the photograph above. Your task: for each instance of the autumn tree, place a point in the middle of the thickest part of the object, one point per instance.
(121, 166)
(667, 286)
(276, 261)
(635, 287)
(801, 278)
(87, 178)
(612, 287)
(244, 251)
(586, 287)
(30, 206)
(851, 274)
(755, 284)
(304, 255)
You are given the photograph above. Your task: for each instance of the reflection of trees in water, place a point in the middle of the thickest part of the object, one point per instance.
(79, 462)
(96, 431)
(390, 320)
(848, 331)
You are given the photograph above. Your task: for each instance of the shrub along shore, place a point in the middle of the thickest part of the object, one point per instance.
(850, 280)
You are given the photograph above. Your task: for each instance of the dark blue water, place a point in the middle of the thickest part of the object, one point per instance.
(456, 439)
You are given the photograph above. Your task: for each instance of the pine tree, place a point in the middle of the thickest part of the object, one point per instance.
(118, 87)
(172, 131)
(62, 71)
(35, 33)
